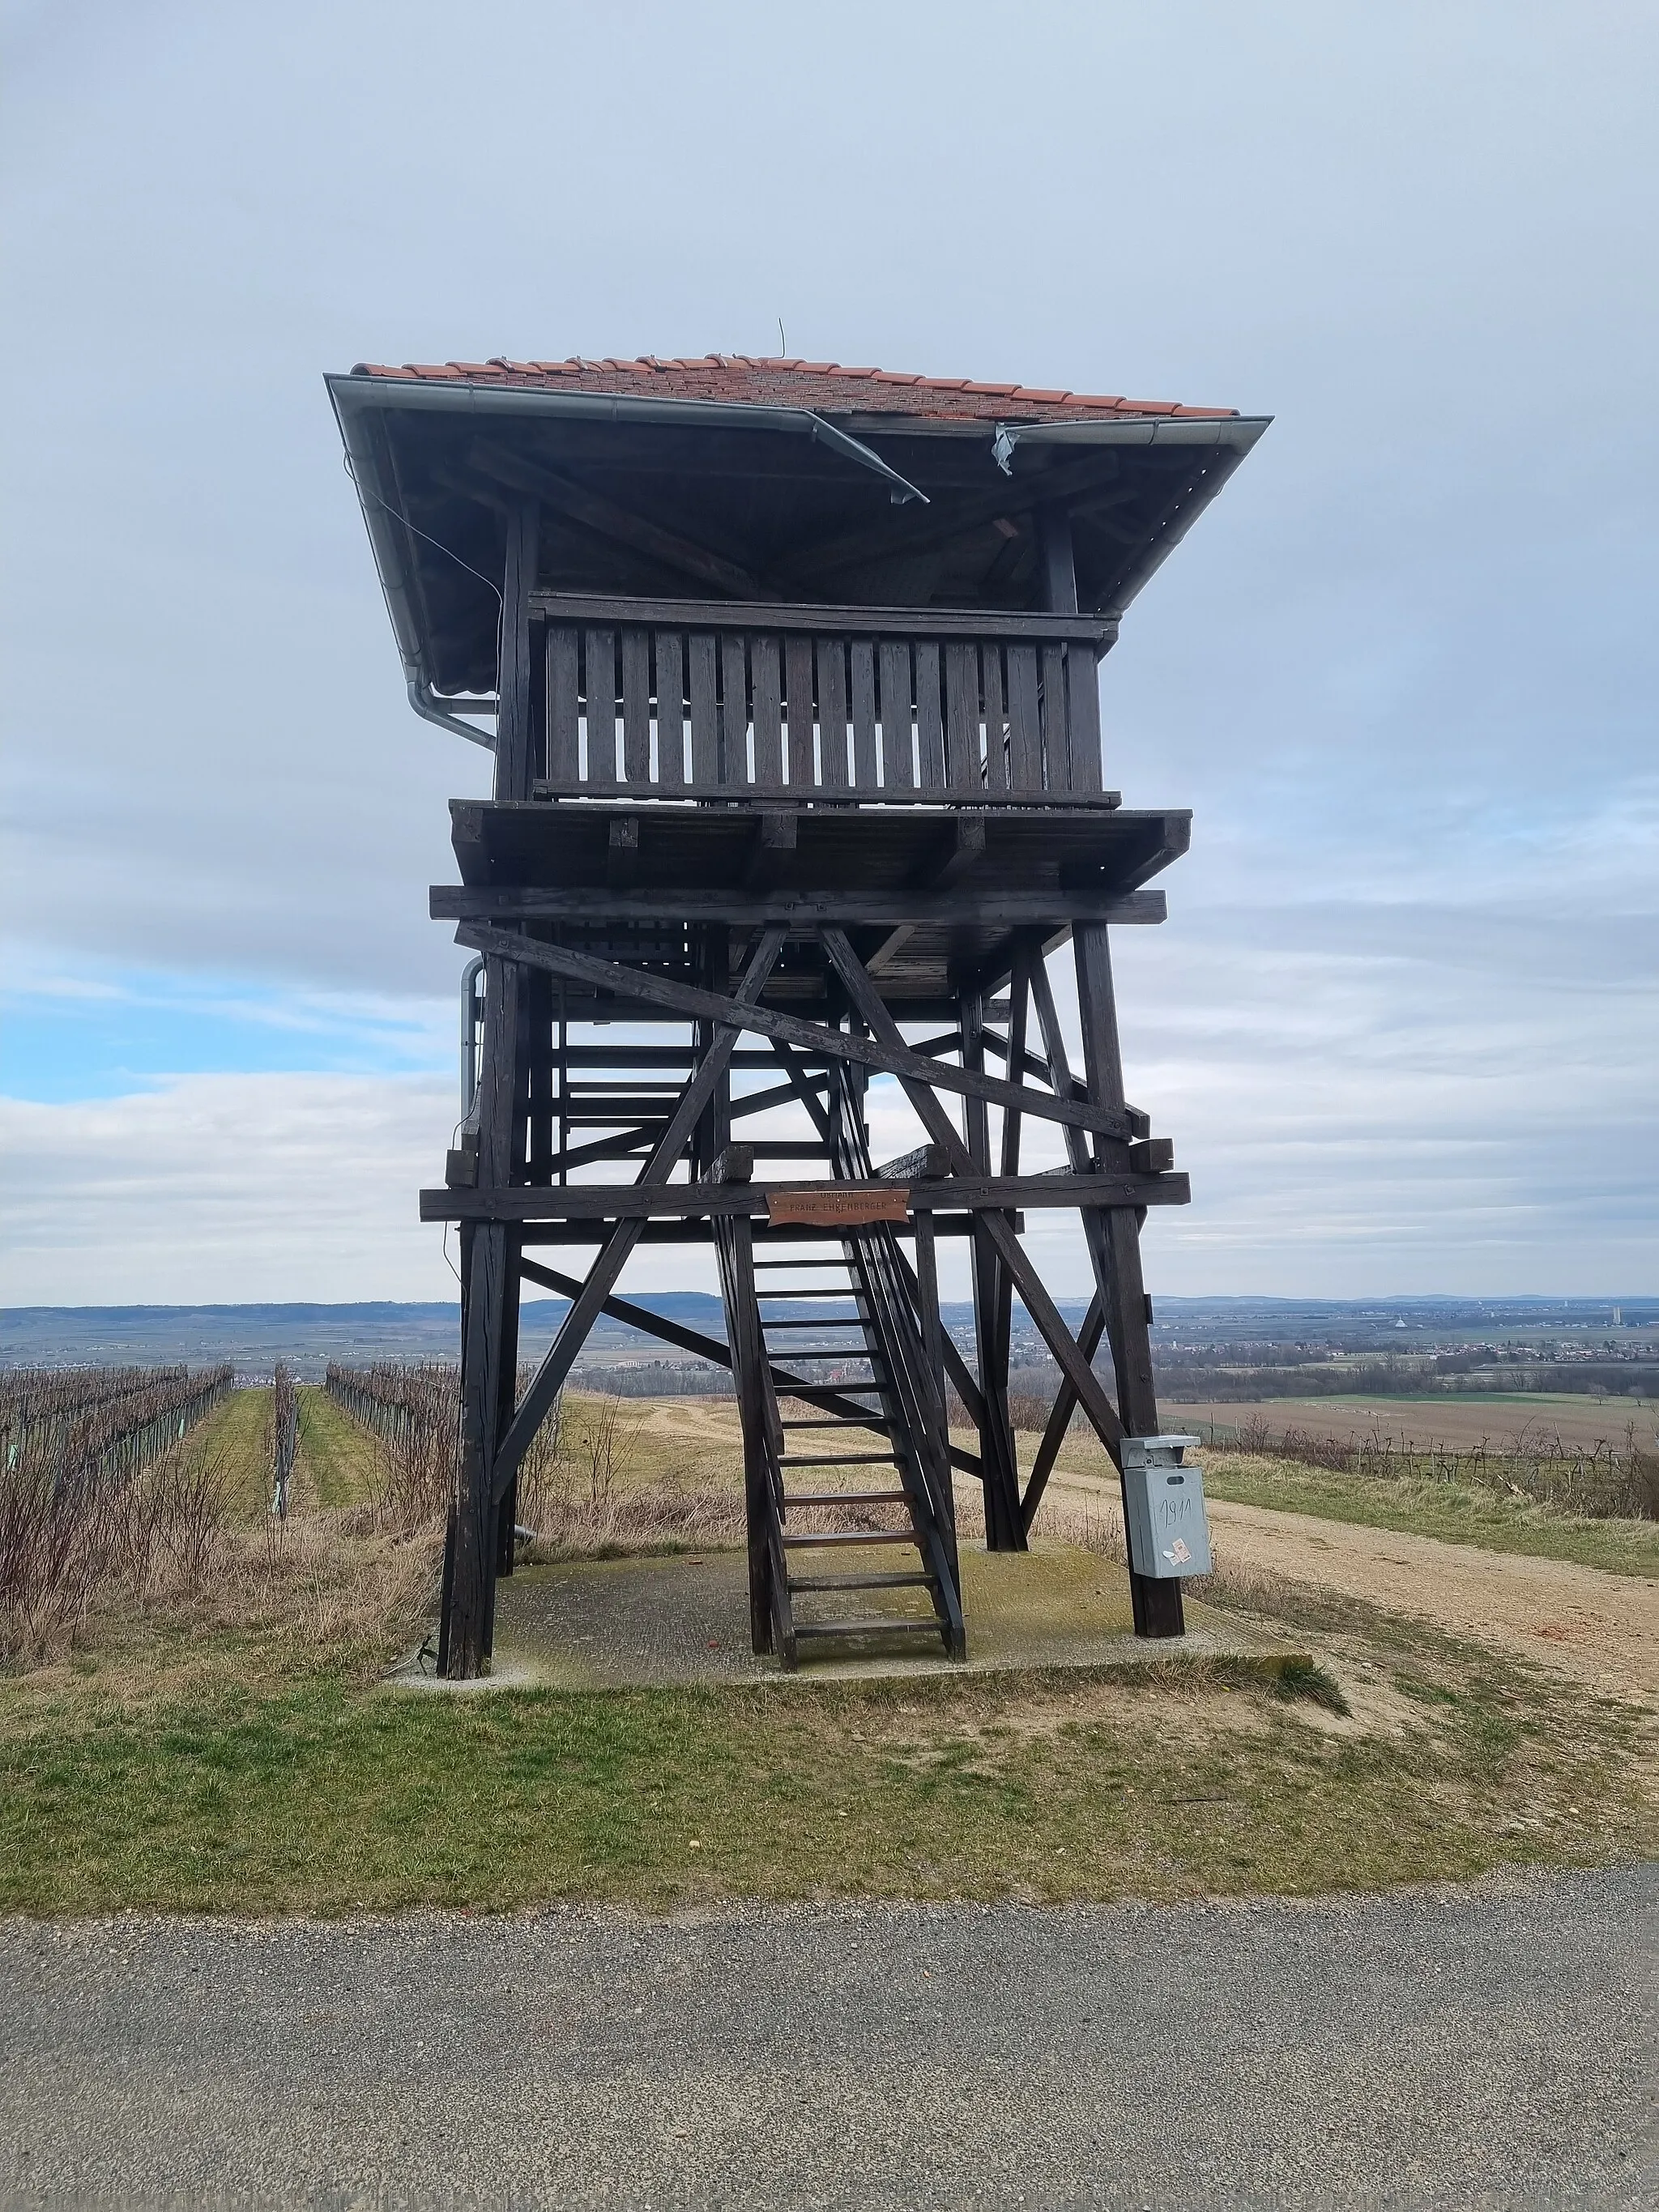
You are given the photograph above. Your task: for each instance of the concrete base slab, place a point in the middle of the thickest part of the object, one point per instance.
(613, 1623)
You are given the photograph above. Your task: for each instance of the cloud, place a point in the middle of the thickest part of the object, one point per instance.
(1402, 1023)
(226, 1187)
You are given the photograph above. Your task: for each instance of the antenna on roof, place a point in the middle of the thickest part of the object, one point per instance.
(783, 343)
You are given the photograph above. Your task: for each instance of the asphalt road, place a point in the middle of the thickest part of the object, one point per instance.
(1475, 2048)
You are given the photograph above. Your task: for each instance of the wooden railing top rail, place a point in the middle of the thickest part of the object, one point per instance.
(1099, 630)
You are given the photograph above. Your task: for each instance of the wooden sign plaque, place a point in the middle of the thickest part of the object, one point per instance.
(825, 1207)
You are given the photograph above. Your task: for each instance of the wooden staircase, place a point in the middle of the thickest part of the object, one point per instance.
(818, 1509)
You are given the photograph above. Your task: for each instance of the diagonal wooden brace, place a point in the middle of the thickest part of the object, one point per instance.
(887, 1052)
(613, 1254)
(937, 1123)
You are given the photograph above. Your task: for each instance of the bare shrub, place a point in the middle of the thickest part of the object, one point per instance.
(285, 1436)
(1594, 1481)
(1028, 1413)
(68, 1548)
(96, 1500)
(415, 1413)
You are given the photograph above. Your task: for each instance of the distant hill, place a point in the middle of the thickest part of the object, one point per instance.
(1268, 1334)
(255, 1337)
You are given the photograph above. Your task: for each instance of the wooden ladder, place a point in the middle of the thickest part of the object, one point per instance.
(859, 1421)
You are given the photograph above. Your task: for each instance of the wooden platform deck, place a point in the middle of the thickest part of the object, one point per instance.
(935, 899)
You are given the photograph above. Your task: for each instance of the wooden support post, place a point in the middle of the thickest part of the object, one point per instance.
(1156, 1604)
(514, 764)
(490, 1307)
(1003, 1531)
(479, 1544)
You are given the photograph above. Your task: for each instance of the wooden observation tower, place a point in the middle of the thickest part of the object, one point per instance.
(790, 673)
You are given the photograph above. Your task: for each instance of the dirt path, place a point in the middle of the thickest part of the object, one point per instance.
(1601, 1628)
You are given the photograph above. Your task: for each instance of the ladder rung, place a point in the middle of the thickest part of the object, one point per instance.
(807, 1391)
(836, 1459)
(859, 1582)
(836, 1421)
(849, 1498)
(811, 1321)
(809, 1266)
(891, 1626)
(811, 1292)
(850, 1536)
(836, 1352)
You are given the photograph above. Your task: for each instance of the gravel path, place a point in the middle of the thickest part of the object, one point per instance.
(1601, 1628)
(1466, 2049)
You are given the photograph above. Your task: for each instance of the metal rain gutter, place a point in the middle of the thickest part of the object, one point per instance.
(355, 394)
(355, 398)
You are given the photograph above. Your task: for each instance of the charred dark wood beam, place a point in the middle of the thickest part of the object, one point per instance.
(696, 1232)
(887, 1053)
(926, 1165)
(963, 1191)
(803, 910)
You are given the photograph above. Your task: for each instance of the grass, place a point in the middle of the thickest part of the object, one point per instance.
(337, 1461)
(232, 1438)
(244, 1755)
(324, 1794)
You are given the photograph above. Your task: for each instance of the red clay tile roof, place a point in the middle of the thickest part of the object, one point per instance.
(822, 385)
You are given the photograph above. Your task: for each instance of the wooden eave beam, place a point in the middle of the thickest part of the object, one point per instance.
(613, 520)
(1010, 495)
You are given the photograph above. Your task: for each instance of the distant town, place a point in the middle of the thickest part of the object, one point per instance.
(1228, 1349)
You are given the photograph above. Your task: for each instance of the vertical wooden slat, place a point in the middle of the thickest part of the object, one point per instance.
(1025, 727)
(898, 773)
(1054, 752)
(996, 720)
(1083, 715)
(735, 709)
(767, 699)
(564, 706)
(636, 706)
(961, 717)
(930, 720)
(538, 698)
(669, 648)
(799, 774)
(599, 656)
(703, 690)
(832, 712)
(861, 654)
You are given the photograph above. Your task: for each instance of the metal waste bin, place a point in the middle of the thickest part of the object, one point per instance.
(1163, 1492)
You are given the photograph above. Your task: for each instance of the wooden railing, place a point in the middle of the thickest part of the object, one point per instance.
(672, 699)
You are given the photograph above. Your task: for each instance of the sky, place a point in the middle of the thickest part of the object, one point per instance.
(1402, 1023)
